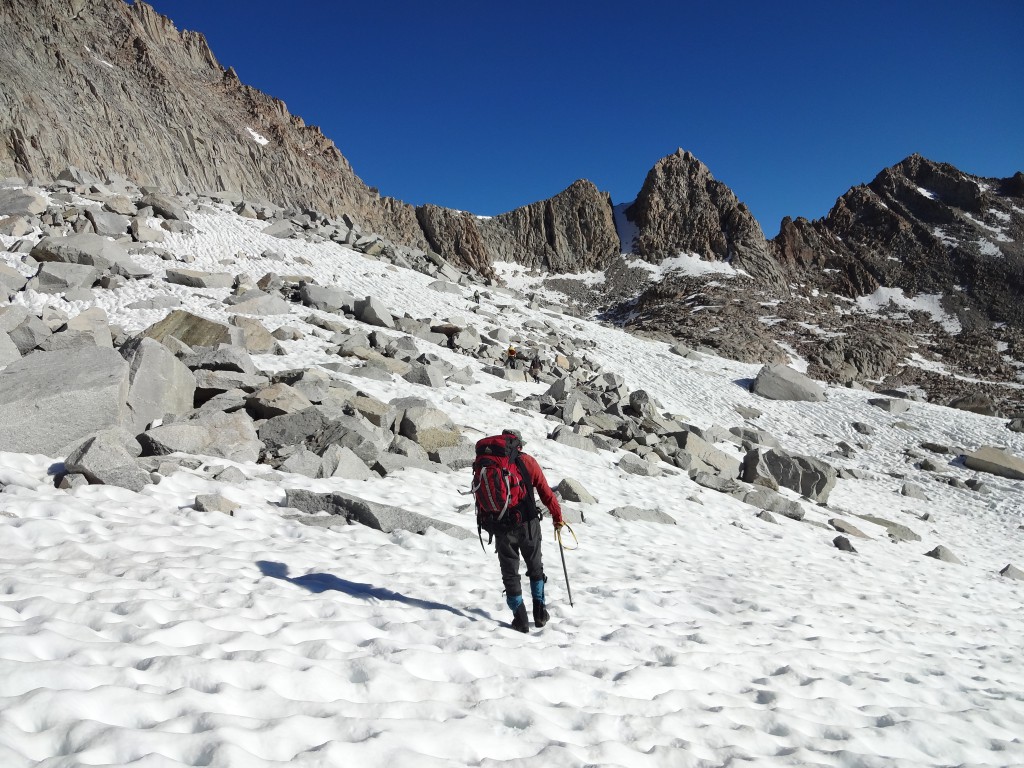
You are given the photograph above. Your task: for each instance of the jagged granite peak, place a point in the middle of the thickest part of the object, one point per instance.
(925, 227)
(682, 208)
(574, 231)
(116, 88)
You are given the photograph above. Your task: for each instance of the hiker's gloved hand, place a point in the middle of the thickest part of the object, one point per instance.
(559, 523)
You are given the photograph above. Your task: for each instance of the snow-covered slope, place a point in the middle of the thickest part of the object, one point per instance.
(135, 630)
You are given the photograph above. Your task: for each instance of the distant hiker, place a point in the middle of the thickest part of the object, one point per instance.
(535, 368)
(510, 357)
(504, 479)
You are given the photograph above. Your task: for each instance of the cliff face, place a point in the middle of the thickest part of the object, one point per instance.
(683, 209)
(113, 88)
(574, 231)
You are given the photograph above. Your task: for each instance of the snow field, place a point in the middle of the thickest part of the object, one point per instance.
(135, 630)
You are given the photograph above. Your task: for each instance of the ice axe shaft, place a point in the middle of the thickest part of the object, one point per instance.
(561, 552)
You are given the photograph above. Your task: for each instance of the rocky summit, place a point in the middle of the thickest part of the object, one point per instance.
(912, 280)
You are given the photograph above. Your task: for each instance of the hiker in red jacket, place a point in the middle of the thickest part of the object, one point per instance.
(525, 539)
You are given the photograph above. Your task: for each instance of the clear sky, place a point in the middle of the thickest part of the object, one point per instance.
(488, 106)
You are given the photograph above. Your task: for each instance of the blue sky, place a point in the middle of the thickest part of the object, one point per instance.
(489, 106)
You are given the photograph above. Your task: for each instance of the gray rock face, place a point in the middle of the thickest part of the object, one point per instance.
(890, 404)
(228, 435)
(713, 458)
(9, 351)
(429, 427)
(681, 208)
(21, 202)
(943, 554)
(573, 490)
(196, 279)
(913, 491)
(108, 224)
(1012, 572)
(995, 461)
(779, 382)
(456, 236)
(373, 312)
(326, 299)
(842, 543)
(159, 383)
(193, 330)
(11, 279)
(50, 401)
(571, 232)
(896, 531)
(276, 400)
(104, 459)
(635, 465)
(381, 517)
(863, 357)
(848, 528)
(85, 248)
(341, 461)
(809, 477)
(770, 501)
(58, 277)
(631, 513)
(165, 206)
(255, 337)
(263, 305)
(184, 125)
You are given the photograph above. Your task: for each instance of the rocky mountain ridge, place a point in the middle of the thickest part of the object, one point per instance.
(118, 91)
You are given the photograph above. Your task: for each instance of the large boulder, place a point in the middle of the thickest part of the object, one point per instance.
(807, 476)
(207, 433)
(89, 249)
(995, 461)
(720, 461)
(263, 305)
(630, 513)
(373, 312)
(382, 517)
(9, 351)
(104, 459)
(779, 382)
(573, 490)
(159, 383)
(58, 277)
(195, 279)
(51, 401)
(326, 299)
(165, 206)
(21, 202)
(193, 330)
(107, 223)
(429, 427)
(11, 279)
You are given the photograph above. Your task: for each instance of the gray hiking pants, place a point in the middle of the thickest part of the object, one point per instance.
(525, 540)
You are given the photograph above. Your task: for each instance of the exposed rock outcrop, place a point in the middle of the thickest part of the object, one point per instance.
(683, 209)
(115, 88)
(574, 231)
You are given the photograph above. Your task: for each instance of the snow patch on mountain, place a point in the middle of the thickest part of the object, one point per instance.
(887, 298)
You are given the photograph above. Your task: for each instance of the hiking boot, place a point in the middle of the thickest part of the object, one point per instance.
(520, 621)
(540, 615)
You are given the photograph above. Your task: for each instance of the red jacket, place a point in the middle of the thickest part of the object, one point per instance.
(541, 484)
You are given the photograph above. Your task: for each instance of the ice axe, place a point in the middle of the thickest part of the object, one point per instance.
(561, 552)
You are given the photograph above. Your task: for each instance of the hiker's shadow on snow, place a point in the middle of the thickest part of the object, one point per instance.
(326, 582)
